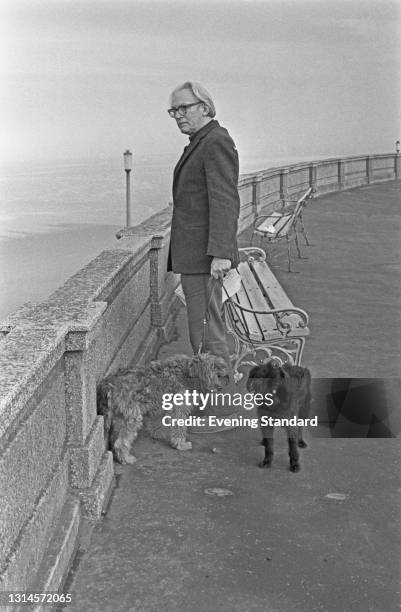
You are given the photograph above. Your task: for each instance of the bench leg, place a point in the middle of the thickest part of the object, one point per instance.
(268, 253)
(291, 353)
(297, 245)
(281, 355)
(289, 256)
(304, 231)
(245, 353)
(300, 256)
(300, 343)
(305, 236)
(241, 349)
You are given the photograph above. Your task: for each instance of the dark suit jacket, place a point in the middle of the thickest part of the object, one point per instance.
(206, 202)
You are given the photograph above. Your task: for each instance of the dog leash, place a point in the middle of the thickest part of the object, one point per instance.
(233, 305)
(210, 290)
(212, 283)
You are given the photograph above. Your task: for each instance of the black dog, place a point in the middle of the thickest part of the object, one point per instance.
(289, 389)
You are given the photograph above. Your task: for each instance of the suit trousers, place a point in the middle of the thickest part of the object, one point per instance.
(204, 292)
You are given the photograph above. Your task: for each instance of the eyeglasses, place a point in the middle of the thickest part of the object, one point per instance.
(182, 110)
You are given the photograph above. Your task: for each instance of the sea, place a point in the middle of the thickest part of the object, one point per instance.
(55, 216)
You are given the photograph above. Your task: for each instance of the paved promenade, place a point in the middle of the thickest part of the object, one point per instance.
(275, 542)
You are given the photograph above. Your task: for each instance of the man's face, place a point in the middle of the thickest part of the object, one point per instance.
(195, 117)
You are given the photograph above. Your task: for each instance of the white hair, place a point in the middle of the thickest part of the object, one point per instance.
(200, 92)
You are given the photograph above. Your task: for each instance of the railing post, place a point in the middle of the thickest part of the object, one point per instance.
(341, 174)
(313, 176)
(284, 185)
(90, 466)
(369, 170)
(256, 194)
(157, 279)
(397, 169)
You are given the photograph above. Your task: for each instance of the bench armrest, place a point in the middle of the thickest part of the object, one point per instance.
(249, 253)
(279, 313)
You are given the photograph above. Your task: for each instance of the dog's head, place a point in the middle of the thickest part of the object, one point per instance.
(207, 372)
(272, 379)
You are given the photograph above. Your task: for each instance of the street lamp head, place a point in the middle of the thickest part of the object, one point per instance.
(397, 146)
(127, 160)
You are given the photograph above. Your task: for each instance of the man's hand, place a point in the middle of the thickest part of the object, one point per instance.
(219, 267)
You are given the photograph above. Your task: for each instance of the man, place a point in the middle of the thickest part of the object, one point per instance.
(205, 215)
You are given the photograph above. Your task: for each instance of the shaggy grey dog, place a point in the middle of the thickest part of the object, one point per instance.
(132, 398)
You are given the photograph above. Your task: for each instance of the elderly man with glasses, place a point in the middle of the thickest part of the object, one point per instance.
(205, 215)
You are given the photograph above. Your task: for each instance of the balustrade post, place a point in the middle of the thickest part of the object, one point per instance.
(313, 176)
(397, 163)
(341, 174)
(90, 465)
(284, 184)
(369, 170)
(256, 194)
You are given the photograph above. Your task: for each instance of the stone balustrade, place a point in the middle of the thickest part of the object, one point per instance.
(266, 189)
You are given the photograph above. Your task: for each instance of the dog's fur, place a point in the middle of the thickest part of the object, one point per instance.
(132, 398)
(290, 387)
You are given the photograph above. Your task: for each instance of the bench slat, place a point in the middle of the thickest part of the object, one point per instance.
(245, 298)
(253, 290)
(250, 318)
(275, 292)
(267, 323)
(270, 285)
(279, 222)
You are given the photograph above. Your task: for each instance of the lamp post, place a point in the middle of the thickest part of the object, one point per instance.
(128, 168)
(397, 146)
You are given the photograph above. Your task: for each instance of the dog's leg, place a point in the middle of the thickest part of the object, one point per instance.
(268, 443)
(123, 434)
(293, 449)
(178, 439)
(305, 408)
(178, 433)
(122, 447)
(301, 441)
(180, 444)
(176, 436)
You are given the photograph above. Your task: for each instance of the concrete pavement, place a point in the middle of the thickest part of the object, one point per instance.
(207, 530)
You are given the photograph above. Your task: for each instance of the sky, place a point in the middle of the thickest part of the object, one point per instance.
(89, 78)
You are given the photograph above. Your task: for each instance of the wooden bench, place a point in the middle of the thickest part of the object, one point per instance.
(260, 316)
(283, 225)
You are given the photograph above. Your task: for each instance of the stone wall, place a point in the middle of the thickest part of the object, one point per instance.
(55, 472)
